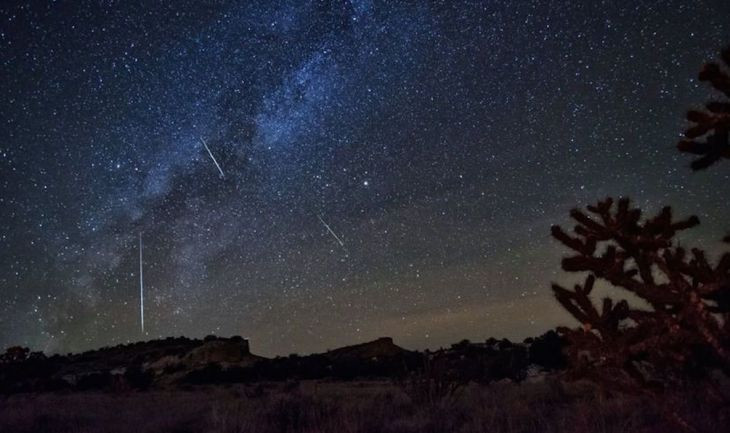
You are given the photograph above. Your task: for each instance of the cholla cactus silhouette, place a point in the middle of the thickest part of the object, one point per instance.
(709, 136)
(686, 328)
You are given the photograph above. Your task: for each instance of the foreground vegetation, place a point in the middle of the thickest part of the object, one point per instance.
(550, 405)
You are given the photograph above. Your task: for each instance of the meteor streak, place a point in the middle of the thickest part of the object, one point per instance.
(342, 244)
(212, 157)
(141, 286)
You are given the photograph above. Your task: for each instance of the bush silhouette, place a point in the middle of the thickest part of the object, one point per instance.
(547, 351)
(14, 354)
(686, 328)
(709, 136)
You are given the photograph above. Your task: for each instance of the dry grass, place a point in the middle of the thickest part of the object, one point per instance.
(349, 407)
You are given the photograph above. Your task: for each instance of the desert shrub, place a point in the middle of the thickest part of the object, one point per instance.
(709, 135)
(685, 331)
(432, 384)
(14, 354)
(685, 328)
(137, 378)
(547, 351)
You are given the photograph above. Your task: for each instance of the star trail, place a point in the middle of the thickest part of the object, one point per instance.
(438, 140)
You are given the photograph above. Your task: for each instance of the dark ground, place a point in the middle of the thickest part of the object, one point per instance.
(546, 404)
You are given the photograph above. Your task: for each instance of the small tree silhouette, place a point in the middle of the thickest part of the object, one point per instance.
(686, 329)
(710, 134)
(14, 354)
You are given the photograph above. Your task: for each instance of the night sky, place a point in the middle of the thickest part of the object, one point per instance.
(389, 169)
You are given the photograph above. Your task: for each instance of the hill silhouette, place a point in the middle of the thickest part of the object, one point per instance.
(181, 361)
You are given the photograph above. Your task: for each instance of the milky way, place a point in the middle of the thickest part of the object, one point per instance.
(438, 140)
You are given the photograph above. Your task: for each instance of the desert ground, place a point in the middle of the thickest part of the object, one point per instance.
(547, 405)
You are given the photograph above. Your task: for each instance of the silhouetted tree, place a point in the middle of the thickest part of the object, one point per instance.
(14, 354)
(710, 134)
(547, 351)
(686, 328)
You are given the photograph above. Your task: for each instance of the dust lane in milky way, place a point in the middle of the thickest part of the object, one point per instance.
(440, 140)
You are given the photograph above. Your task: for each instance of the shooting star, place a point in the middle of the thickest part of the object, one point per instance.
(141, 286)
(212, 157)
(342, 244)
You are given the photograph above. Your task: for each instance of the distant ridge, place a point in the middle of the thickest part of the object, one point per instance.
(381, 348)
(181, 361)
